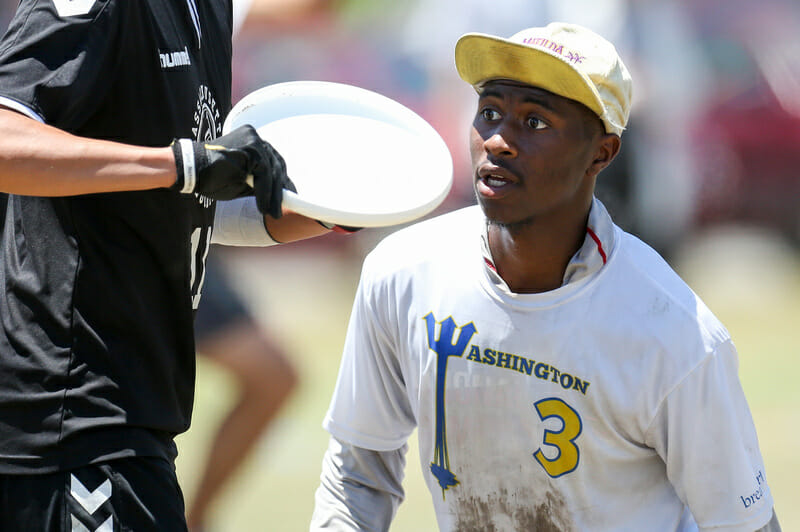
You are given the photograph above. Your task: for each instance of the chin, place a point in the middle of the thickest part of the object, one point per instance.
(502, 217)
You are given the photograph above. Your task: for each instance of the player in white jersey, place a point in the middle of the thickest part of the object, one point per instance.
(561, 376)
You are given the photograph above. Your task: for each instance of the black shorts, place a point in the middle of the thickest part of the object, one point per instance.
(220, 305)
(129, 494)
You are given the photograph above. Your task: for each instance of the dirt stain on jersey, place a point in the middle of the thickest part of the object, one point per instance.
(499, 513)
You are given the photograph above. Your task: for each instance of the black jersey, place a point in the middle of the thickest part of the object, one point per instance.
(3, 201)
(97, 291)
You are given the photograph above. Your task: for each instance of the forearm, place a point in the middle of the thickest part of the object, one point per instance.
(238, 222)
(359, 489)
(292, 226)
(40, 160)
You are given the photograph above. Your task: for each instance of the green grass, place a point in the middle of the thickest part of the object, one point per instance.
(305, 299)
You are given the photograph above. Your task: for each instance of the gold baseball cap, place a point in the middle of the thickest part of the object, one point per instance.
(565, 59)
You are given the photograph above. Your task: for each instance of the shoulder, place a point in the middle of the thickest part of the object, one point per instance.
(444, 237)
(35, 14)
(447, 231)
(658, 298)
(51, 31)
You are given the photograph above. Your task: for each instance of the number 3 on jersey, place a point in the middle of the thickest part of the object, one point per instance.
(564, 440)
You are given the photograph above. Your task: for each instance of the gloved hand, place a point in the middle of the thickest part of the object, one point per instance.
(219, 169)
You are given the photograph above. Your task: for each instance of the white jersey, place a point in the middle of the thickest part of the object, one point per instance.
(610, 403)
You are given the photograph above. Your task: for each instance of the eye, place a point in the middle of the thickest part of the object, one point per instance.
(489, 114)
(536, 123)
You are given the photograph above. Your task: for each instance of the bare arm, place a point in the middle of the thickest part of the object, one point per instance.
(359, 489)
(40, 160)
(292, 226)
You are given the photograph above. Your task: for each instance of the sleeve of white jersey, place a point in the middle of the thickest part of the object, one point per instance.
(370, 407)
(359, 489)
(705, 433)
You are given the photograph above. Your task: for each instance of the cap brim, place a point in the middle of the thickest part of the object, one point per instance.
(481, 57)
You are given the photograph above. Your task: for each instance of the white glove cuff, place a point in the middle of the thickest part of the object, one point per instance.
(189, 166)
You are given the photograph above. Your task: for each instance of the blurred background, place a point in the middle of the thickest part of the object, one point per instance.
(709, 174)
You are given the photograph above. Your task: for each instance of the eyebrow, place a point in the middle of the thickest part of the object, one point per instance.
(531, 98)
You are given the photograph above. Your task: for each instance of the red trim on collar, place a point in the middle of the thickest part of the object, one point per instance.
(599, 244)
(489, 264)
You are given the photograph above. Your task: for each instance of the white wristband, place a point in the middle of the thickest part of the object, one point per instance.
(189, 167)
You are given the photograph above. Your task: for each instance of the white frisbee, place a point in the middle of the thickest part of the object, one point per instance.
(357, 158)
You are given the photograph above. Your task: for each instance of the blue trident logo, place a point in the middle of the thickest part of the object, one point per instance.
(444, 348)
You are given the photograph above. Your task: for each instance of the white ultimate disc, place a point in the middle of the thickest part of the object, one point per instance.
(357, 158)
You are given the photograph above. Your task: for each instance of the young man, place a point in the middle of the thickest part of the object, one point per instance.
(107, 111)
(561, 376)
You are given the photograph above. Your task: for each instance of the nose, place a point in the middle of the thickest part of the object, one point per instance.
(499, 143)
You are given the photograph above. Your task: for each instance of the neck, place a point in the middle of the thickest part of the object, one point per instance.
(532, 257)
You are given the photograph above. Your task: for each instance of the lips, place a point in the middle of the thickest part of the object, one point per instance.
(493, 180)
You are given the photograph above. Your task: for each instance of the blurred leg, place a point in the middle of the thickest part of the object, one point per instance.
(266, 379)
(227, 334)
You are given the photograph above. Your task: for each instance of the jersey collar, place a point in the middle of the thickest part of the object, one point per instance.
(592, 255)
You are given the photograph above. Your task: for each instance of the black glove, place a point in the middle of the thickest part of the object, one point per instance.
(219, 169)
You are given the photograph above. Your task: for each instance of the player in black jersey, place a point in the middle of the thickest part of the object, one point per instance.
(107, 110)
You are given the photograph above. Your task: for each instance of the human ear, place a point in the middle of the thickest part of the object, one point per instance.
(607, 148)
